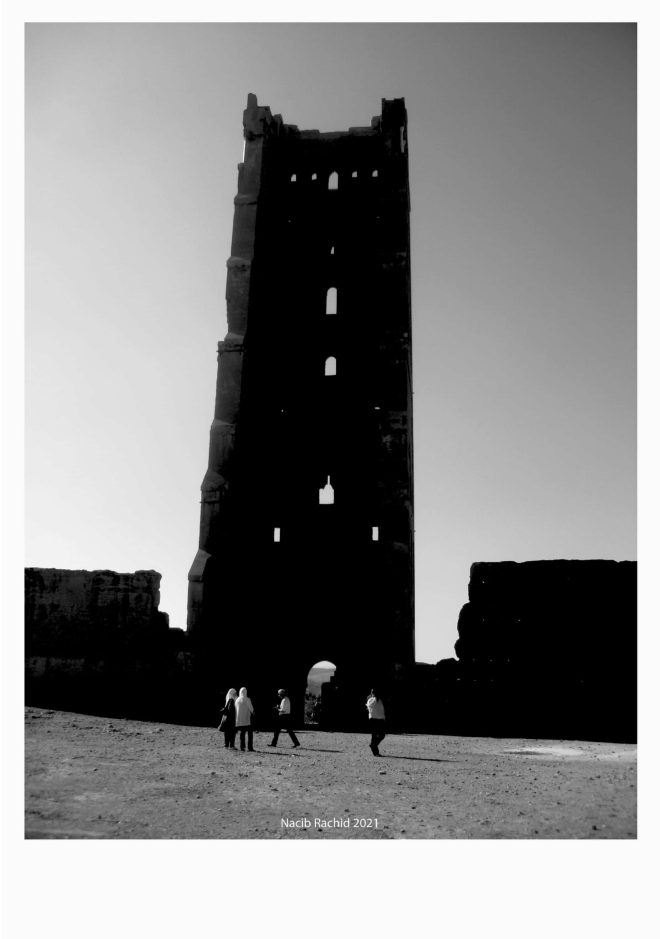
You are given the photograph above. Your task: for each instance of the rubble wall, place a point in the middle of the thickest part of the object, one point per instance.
(545, 649)
(96, 641)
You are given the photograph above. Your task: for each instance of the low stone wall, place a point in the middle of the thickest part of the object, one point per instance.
(546, 649)
(96, 641)
(576, 616)
(80, 612)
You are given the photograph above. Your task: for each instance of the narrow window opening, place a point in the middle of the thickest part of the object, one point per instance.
(331, 301)
(332, 250)
(374, 175)
(276, 534)
(314, 176)
(327, 494)
(376, 407)
(331, 365)
(374, 533)
(333, 181)
(293, 177)
(354, 174)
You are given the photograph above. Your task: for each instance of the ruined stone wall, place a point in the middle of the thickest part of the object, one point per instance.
(96, 640)
(543, 617)
(82, 612)
(545, 649)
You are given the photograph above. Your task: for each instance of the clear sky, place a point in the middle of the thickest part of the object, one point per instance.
(522, 175)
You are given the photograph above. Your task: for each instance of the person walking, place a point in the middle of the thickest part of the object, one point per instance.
(228, 719)
(283, 720)
(376, 710)
(244, 719)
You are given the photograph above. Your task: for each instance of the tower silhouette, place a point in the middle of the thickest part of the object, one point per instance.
(306, 535)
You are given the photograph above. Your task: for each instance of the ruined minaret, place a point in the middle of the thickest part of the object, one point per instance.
(306, 536)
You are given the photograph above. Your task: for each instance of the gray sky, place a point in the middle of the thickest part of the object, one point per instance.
(522, 174)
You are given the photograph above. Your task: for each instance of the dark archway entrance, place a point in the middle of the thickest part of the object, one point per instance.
(319, 687)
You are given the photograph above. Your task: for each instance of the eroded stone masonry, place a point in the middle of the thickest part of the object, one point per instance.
(545, 649)
(96, 640)
(306, 536)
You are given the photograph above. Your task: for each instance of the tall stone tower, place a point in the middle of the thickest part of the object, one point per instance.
(306, 542)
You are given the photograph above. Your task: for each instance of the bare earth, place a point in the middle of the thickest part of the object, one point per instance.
(95, 777)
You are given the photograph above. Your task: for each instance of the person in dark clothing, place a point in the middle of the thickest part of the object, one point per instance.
(283, 720)
(228, 719)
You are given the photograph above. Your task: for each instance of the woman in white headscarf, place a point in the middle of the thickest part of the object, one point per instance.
(228, 719)
(244, 717)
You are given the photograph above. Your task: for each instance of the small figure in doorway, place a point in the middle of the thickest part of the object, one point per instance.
(283, 720)
(228, 719)
(376, 710)
(245, 719)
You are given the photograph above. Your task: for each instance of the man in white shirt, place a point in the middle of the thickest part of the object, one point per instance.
(376, 710)
(283, 720)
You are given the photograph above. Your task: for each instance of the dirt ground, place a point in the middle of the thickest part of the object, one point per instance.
(95, 777)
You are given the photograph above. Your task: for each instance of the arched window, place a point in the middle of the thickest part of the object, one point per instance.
(374, 175)
(333, 181)
(354, 174)
(327, 494)
(332, 250)
(331, 365)
(314, 176)
(293, 177)
(331, 301)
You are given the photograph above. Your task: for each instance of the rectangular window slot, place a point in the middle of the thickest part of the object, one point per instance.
(276, 534)
(374, 533)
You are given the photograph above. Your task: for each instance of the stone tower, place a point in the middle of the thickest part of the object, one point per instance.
(306, 541)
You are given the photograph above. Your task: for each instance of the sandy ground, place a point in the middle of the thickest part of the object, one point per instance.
(94, 777)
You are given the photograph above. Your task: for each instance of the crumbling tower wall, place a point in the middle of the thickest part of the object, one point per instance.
(306, 534)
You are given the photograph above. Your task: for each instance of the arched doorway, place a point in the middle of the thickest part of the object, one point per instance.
(319, 675)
